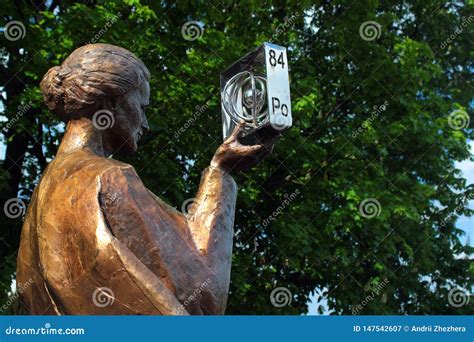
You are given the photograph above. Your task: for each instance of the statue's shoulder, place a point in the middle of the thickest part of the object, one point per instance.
(82, 175)
(82, 163)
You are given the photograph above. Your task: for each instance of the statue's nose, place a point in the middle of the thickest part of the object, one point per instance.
(145, 127)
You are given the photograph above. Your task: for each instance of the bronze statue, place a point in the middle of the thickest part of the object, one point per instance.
(95, 240)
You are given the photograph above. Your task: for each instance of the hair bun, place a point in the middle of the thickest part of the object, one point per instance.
(53, 92)
(90, 75)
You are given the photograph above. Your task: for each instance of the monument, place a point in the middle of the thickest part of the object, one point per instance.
(95, 240)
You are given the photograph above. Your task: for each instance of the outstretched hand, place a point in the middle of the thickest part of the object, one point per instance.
(232, 156)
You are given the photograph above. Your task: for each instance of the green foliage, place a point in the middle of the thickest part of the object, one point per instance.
(338, 153)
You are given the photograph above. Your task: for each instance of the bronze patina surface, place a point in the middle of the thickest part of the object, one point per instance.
(95, 240)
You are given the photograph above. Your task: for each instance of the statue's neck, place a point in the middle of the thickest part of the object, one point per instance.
(80, 134)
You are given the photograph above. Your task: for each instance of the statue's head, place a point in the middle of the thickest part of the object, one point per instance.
(108, 85)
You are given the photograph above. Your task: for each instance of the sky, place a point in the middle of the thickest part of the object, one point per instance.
(466, 223)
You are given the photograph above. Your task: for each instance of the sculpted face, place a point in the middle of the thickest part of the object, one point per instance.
(98, 82)
(130, 122)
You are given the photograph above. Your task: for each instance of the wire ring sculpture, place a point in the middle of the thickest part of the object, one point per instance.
(244, 97)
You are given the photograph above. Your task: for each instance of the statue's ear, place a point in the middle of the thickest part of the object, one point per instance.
(109, 103)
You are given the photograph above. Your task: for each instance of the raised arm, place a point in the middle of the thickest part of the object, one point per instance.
(211, 224)
(211, 217)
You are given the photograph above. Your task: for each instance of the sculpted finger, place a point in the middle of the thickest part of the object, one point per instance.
(237, 130)
(250, 150)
